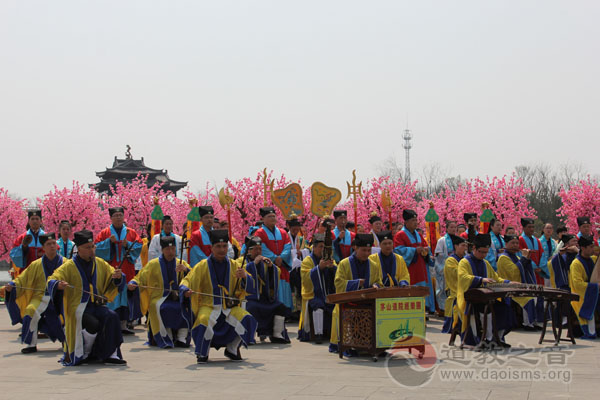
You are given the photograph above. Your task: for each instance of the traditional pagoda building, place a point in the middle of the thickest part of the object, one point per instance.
(127, 169)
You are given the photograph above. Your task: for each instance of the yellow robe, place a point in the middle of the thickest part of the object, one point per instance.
(344, 280)
(72, 301)
(465, 278)
(578, 282)
(150, 299)
(451, 279)
(207, 309)
(509, 270)
(402, 273)
(33, 277)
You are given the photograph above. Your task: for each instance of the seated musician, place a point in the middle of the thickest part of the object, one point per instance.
(160, 287)
(318, 281)
(475, 272)
(354, 273)
(451, 319)
(393, 268)
(560, 264)
(579, 281)
(519, 269)
(263, 303)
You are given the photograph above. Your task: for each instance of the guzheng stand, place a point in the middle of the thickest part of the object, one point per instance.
(358, 318)
(556, 300)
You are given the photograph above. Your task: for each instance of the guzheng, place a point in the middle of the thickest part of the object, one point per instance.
(378, 293)
(502, 290)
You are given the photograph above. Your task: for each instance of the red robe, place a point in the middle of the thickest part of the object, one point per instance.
(128, 266)
(417, 267)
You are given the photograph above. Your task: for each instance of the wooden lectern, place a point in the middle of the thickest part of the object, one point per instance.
(374, 320)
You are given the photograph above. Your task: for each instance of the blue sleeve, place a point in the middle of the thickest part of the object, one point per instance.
(250, 281)
(408, 253)
(17, 256)
(352, 285)
(476, 282)
(135, 251)
(590, 301)
(11, 305)
(186, 307)
(249, 284)
(337, 251)
(491, 258)
(103, 250)
(545, 273)
(120, 283)
(286, 255)
(196, 255)
(268, 253)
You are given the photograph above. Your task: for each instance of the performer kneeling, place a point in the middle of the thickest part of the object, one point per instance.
(474, 271)
(28, 301)
(92, 330)
(263, 304)
(159, 281)
(211, 296)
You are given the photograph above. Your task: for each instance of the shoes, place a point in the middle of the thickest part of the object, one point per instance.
(27, 350)
(262, 338)
(127, 332)
(529, 328)
(233, 357)
(318, 339)
(274, 339)
(183, 345)
(502, 344)
(201, 359)
(115, 361)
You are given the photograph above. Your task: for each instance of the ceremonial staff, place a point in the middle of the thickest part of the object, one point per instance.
(386, 204)
(226, 200)
(267, 187)
(354, 190)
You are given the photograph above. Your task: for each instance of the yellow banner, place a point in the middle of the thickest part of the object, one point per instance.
(400, 322)
(289, 200)
(323, 199)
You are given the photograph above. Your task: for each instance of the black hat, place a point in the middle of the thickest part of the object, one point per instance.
(482, 240)
(456, 240)
(217, 220)
(206, 210)
(508, 238)
(363, 240)
(293, 222)
(468, 216)
(350, 225)
(167, 218)
(34, 213)
(113, 210)
(219, 236)
(408, 214)
(385, 235)
(264, 211)
(318, 238)
(585, 241)
(526, 221)
(566, 237)
(339, 213)
(374, 218)
(44, 238)
(583, 220)
(327, 221)
(252, 241)
(82, 237)
(167, 241)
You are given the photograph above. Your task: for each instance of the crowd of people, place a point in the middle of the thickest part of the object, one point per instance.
(207, 291)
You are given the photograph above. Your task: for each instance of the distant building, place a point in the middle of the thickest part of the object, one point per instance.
(127, 169)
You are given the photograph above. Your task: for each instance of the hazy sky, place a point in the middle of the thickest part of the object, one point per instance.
(312, 89)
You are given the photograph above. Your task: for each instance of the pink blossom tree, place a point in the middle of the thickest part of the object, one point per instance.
(580, 200)
(14, 220)
(79, 205)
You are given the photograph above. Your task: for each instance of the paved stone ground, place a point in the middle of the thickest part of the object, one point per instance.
(299, 371)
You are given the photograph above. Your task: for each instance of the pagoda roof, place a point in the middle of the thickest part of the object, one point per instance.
(127, 169)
